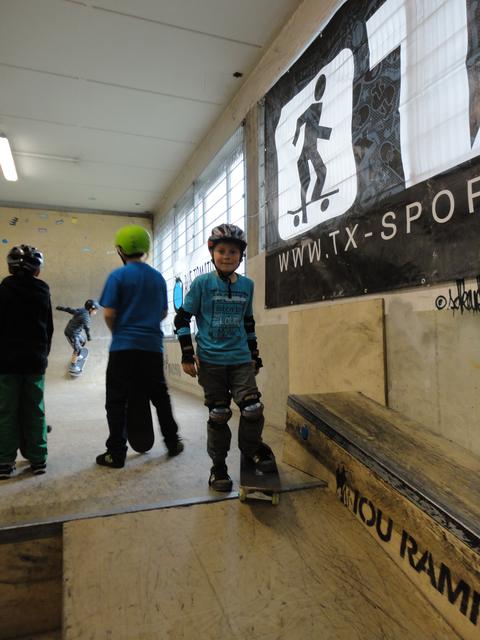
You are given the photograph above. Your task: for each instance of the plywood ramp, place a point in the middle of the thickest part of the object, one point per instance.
(302, 570)
(339, 347)
(415, 493)
(30, 587)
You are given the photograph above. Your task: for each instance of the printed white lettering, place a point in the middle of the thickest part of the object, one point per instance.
(435, 215)
(389, 225)
(350, 237)
(472, 194)
(410, 218)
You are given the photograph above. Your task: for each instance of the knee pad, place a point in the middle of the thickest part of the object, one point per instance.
(219, 415)
(251, 408)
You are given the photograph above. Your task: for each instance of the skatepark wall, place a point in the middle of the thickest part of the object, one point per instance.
(79, 254)
(431, 367)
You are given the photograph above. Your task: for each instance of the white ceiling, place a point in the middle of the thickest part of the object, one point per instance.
(126, 88)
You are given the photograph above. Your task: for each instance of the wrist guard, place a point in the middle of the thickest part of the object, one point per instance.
(252, 345)
(187, 348)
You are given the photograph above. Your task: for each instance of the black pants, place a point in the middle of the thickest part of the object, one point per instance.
(136, 372)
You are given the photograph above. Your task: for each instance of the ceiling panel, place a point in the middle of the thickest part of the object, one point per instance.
(127, 87)
(96, 146)
(80, 103)
(252, 21)
(112, 48)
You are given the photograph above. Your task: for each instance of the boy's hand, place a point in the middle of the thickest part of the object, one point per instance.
(257, 364)
(191, 368)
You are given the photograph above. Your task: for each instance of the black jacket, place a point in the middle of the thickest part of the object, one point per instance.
(26, 324)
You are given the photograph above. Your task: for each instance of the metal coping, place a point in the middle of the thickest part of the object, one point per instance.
(465, 531)
(53, 527)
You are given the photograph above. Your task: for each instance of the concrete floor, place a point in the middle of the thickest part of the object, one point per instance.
(74, 486)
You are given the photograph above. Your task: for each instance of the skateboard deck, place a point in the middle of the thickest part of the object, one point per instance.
(255, 484)
(324, 204)
(140, 432)
(82, 358)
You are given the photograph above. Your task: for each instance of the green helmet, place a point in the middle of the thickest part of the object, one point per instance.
(132, 240)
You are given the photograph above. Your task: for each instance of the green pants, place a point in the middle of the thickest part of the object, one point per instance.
(22, 418)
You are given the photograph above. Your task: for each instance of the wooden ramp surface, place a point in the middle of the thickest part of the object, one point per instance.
(434, 467)
(303, 570)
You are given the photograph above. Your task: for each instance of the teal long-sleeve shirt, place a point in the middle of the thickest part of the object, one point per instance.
(220, 311)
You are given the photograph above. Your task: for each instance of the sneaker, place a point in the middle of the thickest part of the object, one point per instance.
(38, 468)
(75, 369)
(107, 460)
(219, 479)
(6, 470)
(264, 460)
(175, 448)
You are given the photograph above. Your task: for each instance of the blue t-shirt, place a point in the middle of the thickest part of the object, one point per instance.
(221, 336)
(138, 293)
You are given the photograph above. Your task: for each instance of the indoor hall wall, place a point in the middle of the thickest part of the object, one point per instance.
(79, 254)
(433, 357)
(302, 27)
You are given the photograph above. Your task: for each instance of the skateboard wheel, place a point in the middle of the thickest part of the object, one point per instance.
(275, 498)
(242, 494)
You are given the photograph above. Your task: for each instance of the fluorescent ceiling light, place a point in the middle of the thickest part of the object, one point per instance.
(6, 160)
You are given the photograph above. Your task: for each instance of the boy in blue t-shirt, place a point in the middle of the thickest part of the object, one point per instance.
(227, 357)
(135, 302)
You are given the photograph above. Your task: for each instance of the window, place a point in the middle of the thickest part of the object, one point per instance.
(218, 195)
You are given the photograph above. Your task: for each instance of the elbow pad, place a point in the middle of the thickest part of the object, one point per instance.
(182, 320)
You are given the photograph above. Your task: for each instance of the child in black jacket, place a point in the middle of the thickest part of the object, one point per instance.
(26, 329)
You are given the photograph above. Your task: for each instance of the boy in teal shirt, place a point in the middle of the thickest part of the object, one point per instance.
(227, 358)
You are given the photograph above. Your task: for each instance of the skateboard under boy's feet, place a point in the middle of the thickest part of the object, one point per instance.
(140, 432)
(255, 484)
(76, 369)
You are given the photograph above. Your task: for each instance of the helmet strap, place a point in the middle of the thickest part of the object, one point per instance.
(121, 254)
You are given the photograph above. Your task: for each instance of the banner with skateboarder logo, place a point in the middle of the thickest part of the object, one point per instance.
(372, 153)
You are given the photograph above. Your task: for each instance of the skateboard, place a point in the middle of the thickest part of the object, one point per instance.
(80, 363)
(324, 204)
(140, 432)
(255, 484)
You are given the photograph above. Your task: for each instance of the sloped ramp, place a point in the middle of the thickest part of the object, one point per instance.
(303, 570)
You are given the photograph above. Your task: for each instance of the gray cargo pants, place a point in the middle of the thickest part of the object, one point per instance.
(220, 384)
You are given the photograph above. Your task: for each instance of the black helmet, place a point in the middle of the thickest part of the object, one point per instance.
(91, 304)
(24, 258)
(227, 233)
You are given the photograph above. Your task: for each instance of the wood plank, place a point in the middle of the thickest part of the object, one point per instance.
(435, 468)
(304, 569)
(445, 569)
(30, 587)
(51, 635)
(349, 353)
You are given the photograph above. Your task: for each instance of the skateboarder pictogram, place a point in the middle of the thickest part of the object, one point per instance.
(309, 154)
